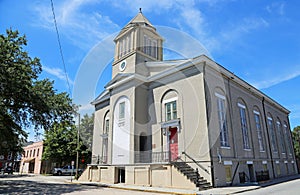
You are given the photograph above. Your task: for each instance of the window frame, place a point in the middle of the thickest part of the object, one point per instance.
(173, 112)
(259, 130)
(106, 126)
(122, 110)
(288, 139)
(222, 119)
(244, 126)
(274, 146)
(281, 138)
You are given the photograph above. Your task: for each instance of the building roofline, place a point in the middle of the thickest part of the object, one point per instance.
(230, 75)
(183, 64)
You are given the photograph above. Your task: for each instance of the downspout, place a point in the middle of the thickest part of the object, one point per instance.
(219, 155)
(267, 128)
(210, 149)
(231, 117)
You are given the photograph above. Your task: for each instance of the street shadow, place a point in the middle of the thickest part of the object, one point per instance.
(32, 187)
(14, 175)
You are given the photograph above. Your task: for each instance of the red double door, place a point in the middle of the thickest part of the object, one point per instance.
(173, 140)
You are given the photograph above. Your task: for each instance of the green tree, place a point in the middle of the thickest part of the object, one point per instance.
(60, 144)
(25, 100)
(86, 137)
(296, 140)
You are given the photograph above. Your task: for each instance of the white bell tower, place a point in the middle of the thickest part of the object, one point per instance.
(137, 43)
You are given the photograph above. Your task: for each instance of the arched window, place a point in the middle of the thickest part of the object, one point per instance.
(223, 127)
(281, 138)
(244, 124)
(288, 139)
(106, 124)
(272, 133)
(259, 129)
(105, 138)
(169, 105)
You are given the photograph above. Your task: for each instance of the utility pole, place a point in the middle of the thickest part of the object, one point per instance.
(77, 152)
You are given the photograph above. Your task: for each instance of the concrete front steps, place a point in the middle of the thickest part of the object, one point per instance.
(192, 175)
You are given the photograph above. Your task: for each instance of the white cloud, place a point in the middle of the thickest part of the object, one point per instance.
(87, 108)
(84, 29)
(57, 72)
(192, 17)
(276, 80)
(151, 6)
(295, 115)
(247, 25)
(276, 7)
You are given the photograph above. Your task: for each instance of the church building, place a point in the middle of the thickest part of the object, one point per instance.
(188, 123)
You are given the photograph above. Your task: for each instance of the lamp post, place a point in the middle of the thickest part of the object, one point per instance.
(77, 152)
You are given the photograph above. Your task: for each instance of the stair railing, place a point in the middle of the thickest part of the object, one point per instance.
(203, 168)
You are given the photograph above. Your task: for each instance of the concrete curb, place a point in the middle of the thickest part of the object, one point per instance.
(137, 188)
(247, 190)
(188, 192)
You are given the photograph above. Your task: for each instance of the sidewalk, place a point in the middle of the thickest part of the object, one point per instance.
(219, 190)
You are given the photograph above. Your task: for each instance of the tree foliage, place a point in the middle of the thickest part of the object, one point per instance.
(60, 144)
(86, 137)
(25, 100)
(296, 140)
(86, 130)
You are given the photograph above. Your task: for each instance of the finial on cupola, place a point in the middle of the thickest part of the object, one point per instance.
(140, 10)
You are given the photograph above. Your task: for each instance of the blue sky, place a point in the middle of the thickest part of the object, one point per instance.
(258, 40)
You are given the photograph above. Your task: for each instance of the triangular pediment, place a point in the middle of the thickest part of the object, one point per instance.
(118, 77)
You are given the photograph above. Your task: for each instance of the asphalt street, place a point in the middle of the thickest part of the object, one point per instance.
(40, 184)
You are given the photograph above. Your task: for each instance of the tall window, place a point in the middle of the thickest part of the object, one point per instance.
(145, 44)
(106, 128)
(128, 43)
(281, 138)
(154, 49)
(260, 137)
(122, 110)
(273, 135)
(171, 110)
(150, 46)
(224, 141)
(120, 48)
(124, 45)
(244, 126)
(105, 140)
(287, 139)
